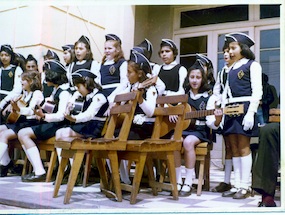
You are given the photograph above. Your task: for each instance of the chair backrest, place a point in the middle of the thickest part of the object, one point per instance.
(166, 106)
(274, 115)
(122, 113)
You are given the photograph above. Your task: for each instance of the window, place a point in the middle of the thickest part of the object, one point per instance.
(232, 13)
(269, 11)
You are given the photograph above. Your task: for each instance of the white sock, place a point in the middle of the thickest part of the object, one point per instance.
(237, 166)
(34, 155)
(228, 170)
(124, 173)
(5, 158)
(178, 175)
(3, 150)
(246, 163)
(58, 151)
(189, 176)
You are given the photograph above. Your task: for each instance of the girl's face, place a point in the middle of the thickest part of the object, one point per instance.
(110, 50)
(80, 51)
(31, 66)
(166, 54)
(132, 75)
(82, 89)
(195, 79)
(26, 85)
(67, 57)
(5, 58)
(235, 51)
(227, 57)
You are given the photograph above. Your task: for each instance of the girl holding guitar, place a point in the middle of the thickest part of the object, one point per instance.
(21, 115)
(195, 134)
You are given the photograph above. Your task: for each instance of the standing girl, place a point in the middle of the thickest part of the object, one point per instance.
(244, 86)
(68, 55)
(56, 77)
(193, 135)
(10, 82)
(31, 97)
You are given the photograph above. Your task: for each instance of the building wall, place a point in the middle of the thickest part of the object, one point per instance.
(33, 29)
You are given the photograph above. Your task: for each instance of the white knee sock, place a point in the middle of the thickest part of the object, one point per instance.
(3, 151)
(28, 156)
(246, 163)
(189, 176)
(178, 175)
(228, 170)
(237, 174)
(58, 151)
(124, 173)
(5, 158)
(34, 155)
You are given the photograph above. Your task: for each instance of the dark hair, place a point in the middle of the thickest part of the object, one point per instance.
(174, 50)
(204, 84)
(89, 54)
(20, 61)
(137, 68)
(72, 56)
(89, 83)
(31, 58)
(246, 52)
(119, 55)
(34, 78)
(55, 77)
(12, 59)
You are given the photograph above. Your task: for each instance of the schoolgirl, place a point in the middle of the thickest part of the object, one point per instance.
(199, 99)
(218, 91)
(31, 63)
(51, 55)
(244, 86)
(171, 73)
(113, 70)
(68, 55)
(23, 116)
(10, 82)
(209, 69)
(51, 122)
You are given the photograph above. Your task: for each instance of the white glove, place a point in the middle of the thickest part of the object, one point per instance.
(248, 121)
(139, 119)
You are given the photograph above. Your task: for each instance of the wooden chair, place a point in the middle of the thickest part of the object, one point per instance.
(102, 148)
(45, 145)
(144, 151)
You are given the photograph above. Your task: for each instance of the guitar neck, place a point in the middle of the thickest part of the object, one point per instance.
(199, 114)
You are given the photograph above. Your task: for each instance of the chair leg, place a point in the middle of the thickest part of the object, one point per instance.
(59, 176)
(137, 177)
(207, 172)
(87, 168)
(151, 176)
(113, 157)
(201, 177)
(52, 161)
(172, 174)
(101, 164)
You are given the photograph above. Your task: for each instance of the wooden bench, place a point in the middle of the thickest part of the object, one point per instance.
(144, 151)
(102, 148)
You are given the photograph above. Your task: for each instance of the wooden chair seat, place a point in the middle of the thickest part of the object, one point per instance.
(100, 148)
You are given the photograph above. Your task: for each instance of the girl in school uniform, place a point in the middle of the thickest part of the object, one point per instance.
(23, 115)
(113, 70)
(10, 82)
(51, 122)
(200, 99)
(31, 63)
(244, 86)
(68, 55)
(90, 121)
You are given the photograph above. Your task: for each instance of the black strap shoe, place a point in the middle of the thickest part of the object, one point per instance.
(4, 169)
(34, 178)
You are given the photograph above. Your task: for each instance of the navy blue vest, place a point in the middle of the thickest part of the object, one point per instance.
(239, 80)
(86, 65)
(7, 80)
(110, 74)
(102, 110)
(170, 78)
(199, 104)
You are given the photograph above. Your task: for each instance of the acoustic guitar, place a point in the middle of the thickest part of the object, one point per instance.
(13, 116)
(191, 116)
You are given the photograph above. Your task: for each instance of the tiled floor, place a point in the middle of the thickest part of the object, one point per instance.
(90, 200)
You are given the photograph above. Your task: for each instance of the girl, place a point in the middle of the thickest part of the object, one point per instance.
(10, 76)
(200, 100)
(31, 63)
(244, 86)
(208, 67)
(113, 71)
(68, 55)
(32, 96)
(218, 90)
(56, 77)
(89, 122)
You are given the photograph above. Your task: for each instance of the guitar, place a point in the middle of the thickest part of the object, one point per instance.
(147, 83)
(167, 126)
(13, 116)
(48, 106)
(77, 106)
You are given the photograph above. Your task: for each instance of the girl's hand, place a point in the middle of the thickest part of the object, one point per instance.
(69, 108)
(107, 113)
(7, 109)
(69, 118)
(173, 118)
(39, 112)
(218, 115)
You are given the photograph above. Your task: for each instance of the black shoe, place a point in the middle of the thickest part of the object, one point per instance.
(185, 193)
(4, 169)
(17, 169)
(222, 187)
(242, 194)
(230, 193)
(34, 178)
(265, 204)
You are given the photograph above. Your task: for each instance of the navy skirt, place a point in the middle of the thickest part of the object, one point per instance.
(233, 124)
(200, 132)
(22, 123)
(88, 129)
(47, 130)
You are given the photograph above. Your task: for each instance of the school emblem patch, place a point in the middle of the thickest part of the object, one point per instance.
(240, 74)
(10, 74)
(202, 106)
(112, 70)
